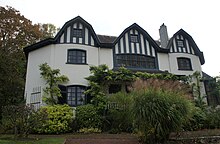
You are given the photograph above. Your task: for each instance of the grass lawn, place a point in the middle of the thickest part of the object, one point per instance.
(8, 139)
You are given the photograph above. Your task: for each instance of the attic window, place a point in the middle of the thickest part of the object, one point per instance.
(180, 43)
(134, 38)
(77, 32)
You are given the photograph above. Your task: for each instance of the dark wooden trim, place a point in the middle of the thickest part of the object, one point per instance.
(124, 44)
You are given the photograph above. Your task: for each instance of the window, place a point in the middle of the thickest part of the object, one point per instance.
(184, 64)
(134, 38)
(75, 95)
(76, 56)
(77, 32)
(136, 61)
(180, 43)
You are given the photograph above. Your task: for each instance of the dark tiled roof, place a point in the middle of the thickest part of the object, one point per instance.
(106, 39)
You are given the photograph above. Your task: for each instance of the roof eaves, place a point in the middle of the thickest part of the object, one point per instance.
(38, 45)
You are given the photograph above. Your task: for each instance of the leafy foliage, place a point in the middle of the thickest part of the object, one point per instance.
(48, 30)
(21, 119)
(213, 118)
(158, 112)
(16, 32)
(53, 78)
(60, 117)
(87, 116)
(199, 98)
(118, 115)
(89, 130)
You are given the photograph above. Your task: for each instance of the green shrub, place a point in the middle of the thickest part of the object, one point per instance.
(158, 112)
(118, 114)
(89, 130)
(213, 118)
(87, 117)
(20, 119)
(196, 121)
(59, 119)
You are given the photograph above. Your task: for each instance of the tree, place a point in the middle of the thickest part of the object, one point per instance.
(48, 30)
(53, 78)
(16, 32)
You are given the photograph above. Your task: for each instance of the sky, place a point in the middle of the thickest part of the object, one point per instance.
(199, 18)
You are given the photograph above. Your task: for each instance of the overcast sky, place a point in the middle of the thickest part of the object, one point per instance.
(199, 18)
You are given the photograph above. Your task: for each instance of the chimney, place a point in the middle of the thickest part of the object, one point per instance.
(163, 36)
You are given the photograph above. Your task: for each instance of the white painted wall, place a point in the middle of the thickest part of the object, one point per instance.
(56, 57)
(75, 72)
(106, 57)
(196, 66)
(163, 61)
(35, 58)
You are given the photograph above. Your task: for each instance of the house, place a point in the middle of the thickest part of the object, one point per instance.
(76, 47)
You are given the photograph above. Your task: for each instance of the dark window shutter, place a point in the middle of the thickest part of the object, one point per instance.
(63, 98)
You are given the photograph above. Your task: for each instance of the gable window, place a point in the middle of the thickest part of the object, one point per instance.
(76, 56)
(181, 46)
(75, 95)
(184, 63)
(180, 43)
(134, 38)
(77, 32)
(135, 61)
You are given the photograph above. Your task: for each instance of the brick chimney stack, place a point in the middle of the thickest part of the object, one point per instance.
(163, 36)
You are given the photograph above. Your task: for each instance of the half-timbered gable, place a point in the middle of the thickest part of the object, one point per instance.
(77, 31)
(135, 48)
(182, 42)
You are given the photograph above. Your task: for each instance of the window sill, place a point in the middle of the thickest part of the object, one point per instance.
(185, 69)
(77, 63)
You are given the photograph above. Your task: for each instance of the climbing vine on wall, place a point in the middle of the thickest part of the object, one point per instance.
(52, 78)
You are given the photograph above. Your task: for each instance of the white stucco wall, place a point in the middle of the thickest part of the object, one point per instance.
(163, 61)
(196, 66)
(106, 57)
(33, 80)
(56, 57)
(75, 72)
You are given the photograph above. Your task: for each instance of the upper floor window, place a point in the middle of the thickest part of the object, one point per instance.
(180, 43)
(136, 61)
(75, 95)
(134, 38)
(76, 56)
(77, 32)
(184, 63)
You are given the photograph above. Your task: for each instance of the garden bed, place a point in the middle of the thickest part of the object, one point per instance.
(192, 137)
(195, 137)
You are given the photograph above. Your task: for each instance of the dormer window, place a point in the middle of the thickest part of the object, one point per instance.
(77, 33)
(134, 38)
(180, 43)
